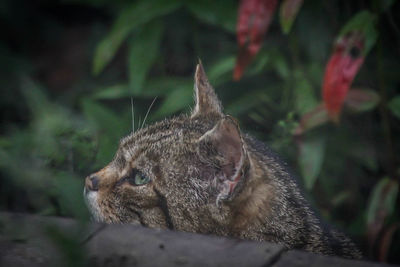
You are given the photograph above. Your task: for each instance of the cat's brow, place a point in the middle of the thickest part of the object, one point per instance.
(119, 160)
(131, 146)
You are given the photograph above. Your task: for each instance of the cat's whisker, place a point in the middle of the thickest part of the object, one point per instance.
(147, 113)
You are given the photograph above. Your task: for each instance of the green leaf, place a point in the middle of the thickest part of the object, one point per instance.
(288, 13)
(109, 126)
(360, 100)
(112, 92)
(271, 59)
(246, 102)
(310, 160)
(37, 101)
(49, 121)
(69, 193)
(103, 118)
(312, 119)
(364, 153)
(364, 22)
(160, 86)
(214, 12)
(131, 17)
(177, 100)
(5, 142)
(143, 51)
(394, 106)
(382, 201)
(165, 85)
(262, 61)
(280, 64)
(305, 99)
(341, 198)
(221, 71)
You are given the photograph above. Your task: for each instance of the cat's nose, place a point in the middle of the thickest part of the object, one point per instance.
(92, 183)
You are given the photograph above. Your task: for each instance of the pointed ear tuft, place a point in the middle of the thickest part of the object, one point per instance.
(206, 100)
(226, 141)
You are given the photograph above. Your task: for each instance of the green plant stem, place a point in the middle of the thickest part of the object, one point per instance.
(395, 28)
(385, 121)
(295, 64)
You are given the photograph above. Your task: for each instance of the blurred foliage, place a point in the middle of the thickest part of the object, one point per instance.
(70, 68)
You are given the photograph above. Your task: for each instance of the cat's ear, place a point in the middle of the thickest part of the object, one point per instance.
(224, 143)
(206, 100)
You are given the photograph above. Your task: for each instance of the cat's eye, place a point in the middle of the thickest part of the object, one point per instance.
(138, 178)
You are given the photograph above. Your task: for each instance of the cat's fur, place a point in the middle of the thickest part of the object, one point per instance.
(208, 177)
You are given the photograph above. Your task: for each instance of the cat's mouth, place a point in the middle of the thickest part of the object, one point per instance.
(91, 202)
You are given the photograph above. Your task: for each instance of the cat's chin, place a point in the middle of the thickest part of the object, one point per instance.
(91, 202)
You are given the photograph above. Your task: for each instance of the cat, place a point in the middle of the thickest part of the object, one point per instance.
(200, 173)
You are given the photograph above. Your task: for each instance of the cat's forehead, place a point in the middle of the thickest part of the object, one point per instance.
(168, 134)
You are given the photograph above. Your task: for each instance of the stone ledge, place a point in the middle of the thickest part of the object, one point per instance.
(31, 240)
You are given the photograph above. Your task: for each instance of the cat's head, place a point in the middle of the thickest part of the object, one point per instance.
(177, 173)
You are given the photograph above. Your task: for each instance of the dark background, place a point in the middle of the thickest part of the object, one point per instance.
(68, 70)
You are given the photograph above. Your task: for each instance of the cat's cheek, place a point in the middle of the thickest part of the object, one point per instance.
(139, 196)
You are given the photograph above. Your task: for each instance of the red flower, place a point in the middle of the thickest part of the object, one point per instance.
(254, 19)
(340, 71)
